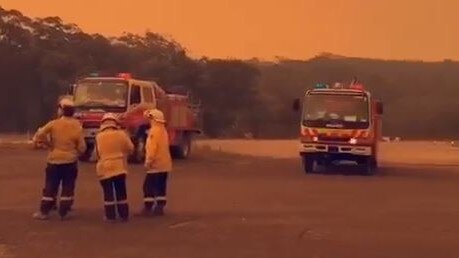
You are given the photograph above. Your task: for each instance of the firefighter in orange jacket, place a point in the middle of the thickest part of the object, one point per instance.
(158, 163)
(113, 145)
(64, 137)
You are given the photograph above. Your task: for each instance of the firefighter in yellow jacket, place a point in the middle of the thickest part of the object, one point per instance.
(64, 137)
(113, 146)
(158, 163)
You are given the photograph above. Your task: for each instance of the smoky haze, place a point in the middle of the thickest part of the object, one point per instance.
(299, 29)
(41, 57)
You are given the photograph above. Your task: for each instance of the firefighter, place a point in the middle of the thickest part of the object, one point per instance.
(65, 140)
(113, 145)
(59, 114)
(41, 144)
(158, 164)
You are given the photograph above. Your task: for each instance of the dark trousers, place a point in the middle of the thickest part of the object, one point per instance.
(57, 175)
(154, 190)
(115, 197)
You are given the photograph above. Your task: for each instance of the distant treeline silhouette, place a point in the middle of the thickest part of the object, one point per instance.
(40, 58)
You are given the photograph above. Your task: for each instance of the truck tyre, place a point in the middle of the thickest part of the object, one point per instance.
(369, 166)
(183, 150)
(309, 164)
(86, 156)
(139, 149)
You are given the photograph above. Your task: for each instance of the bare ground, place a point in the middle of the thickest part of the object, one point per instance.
(226, 205)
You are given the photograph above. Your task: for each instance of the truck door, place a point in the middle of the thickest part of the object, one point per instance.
(134, 96)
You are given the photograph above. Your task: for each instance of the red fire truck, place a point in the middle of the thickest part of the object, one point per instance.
(129, 98)
(339, 122)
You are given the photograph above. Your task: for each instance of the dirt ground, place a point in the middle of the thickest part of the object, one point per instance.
(230, 205)
(406, 152)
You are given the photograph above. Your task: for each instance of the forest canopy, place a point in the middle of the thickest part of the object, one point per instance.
(41, 57)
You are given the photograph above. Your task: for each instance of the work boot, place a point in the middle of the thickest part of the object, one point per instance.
(67, 216)
(63, 213)
(40, 216)
(110, 221)
(55, 208)
(144, 213)
(158, 211)
(123, 211)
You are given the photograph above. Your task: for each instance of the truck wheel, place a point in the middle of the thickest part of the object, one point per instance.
(139, 149)
(369, 166)
(309, 164)
(183, 150)
(86, 156)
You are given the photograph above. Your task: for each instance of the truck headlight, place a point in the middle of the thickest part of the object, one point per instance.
(353, 141)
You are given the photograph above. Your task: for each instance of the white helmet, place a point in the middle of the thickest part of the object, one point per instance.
(109, 120)
(66, 102)
(110, 117)
(155, 115)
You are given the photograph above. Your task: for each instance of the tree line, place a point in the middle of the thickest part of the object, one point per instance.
(41, 57)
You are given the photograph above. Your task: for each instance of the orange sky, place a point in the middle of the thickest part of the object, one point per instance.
(391, 29)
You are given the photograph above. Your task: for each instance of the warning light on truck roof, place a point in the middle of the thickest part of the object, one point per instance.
(356, 86)
(340, 86)
(125, 76)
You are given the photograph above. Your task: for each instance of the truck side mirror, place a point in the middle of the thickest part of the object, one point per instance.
(296, 105)
(379, 108)
(71, 89)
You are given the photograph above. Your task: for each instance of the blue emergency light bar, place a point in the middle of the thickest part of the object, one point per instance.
(125, 76)
(338, 85)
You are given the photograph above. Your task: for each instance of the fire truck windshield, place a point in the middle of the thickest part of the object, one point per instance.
(101, 94)
(336, 111)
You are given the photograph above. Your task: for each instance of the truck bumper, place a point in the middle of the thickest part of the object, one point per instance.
(335, 149)
(90, 141)
(90, 133)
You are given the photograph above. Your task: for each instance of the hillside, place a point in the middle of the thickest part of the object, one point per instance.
(40, 57)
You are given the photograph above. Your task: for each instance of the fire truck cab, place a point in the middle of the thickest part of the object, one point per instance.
(129, 98)
(339, 123)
